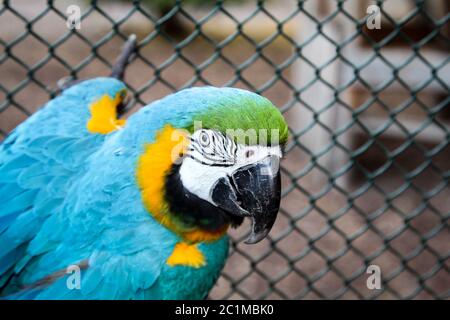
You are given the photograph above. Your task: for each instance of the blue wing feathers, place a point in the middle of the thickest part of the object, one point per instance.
(11, 258)
(41, 162)
(38, 161)
(21, 202)
(69, 196)
(5, 221)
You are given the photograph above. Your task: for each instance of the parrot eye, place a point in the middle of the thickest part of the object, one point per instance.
(204, 139)
(212, 148)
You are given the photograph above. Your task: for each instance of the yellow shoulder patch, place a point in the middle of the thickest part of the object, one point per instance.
(104, 115)
(186, 255)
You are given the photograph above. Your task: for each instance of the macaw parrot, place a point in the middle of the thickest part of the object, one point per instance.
(136, 208)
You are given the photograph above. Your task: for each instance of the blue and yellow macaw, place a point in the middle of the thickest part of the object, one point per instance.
(139, 208)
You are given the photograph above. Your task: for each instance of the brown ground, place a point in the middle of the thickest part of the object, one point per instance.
(288, 265)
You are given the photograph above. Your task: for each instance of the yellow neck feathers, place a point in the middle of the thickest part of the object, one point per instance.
(152, 168)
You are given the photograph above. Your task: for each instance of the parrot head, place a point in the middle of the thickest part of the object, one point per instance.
(214, 162)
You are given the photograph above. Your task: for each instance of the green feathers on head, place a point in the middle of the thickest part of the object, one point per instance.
(248, 119)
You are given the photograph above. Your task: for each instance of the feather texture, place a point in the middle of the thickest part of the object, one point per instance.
(69, 195)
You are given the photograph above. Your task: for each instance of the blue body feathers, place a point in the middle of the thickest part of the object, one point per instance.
(69, 197)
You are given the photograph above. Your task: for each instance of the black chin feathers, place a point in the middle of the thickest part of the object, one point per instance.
(192, 210)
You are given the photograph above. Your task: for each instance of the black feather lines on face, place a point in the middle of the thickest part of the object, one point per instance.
(193, 211)
(212, 148)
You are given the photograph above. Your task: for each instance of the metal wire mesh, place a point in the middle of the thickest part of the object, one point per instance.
(366, 171)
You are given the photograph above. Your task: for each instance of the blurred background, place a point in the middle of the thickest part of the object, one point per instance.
(366, 96)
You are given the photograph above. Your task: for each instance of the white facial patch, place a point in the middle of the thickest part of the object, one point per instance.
(212, 156)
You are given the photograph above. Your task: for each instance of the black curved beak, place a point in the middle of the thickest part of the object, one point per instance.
(252, 191)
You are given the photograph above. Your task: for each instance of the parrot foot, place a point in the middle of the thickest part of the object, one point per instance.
(104, 115)
(186, 255)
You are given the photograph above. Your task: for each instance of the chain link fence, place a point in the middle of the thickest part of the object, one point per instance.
(364, 86)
